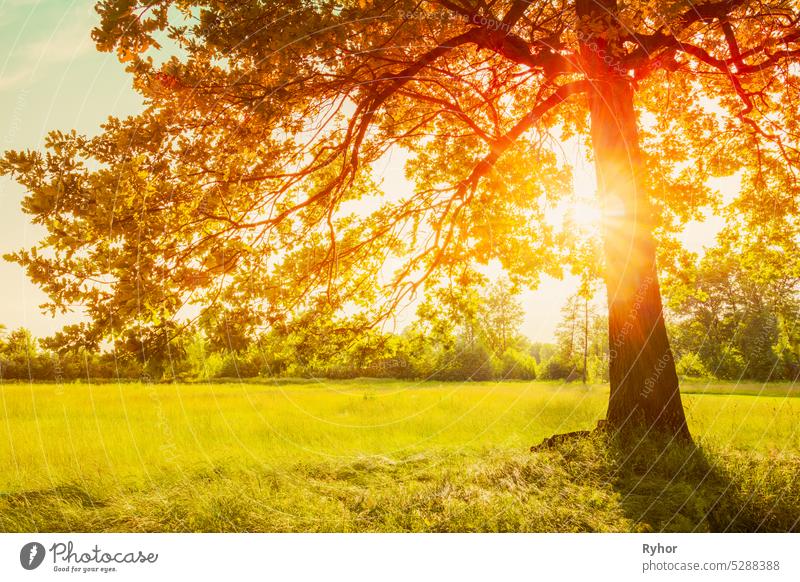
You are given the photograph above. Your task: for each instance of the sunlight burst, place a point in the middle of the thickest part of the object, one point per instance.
(584, 214)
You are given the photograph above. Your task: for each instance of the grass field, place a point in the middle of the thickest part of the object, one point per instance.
(372, 455)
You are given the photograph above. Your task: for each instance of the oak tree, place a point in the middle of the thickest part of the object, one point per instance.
(247, 186)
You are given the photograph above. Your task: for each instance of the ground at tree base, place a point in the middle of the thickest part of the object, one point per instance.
(585, 485)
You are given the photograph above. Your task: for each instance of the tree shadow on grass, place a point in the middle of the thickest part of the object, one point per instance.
(678, 487)
(591, 482)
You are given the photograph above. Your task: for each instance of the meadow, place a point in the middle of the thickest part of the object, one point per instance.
(376, 455)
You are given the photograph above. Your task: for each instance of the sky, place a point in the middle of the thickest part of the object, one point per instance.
(51, 77)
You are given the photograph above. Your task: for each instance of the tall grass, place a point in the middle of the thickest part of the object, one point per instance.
(382, 456)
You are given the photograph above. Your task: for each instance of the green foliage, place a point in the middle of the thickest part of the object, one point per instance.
(555, 369)
(457, 335)
(517, 365)
(20, 357)
(500, 315)
(471, 332)
(692, 366)
(465, 361)
(581, 348)
(201, 362)
(542, 351)
(738, 311)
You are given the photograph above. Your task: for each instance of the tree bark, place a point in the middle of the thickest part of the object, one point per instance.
(644, 383)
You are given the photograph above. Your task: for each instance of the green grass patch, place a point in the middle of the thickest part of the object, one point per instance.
(369, 455)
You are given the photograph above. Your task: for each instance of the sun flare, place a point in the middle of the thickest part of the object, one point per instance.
(584, 214)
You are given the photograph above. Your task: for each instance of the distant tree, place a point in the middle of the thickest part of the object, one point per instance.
(516, 364)
(472, 330)
(454, 307)
(500, 316)
(446, 332)
(542, 351)
(568, 330)
(581, 341)
(736, 314)
(21, 358)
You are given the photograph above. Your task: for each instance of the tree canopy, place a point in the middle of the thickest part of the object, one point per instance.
(243, 184)
(247, 186)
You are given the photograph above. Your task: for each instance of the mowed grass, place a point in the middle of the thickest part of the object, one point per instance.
(372, 455)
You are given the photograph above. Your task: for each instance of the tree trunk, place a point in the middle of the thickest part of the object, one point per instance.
(644, 383)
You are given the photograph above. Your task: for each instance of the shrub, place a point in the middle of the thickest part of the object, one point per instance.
(466, 361)
(516, 365)
(556, 369)
(237, 366)
(692, 366)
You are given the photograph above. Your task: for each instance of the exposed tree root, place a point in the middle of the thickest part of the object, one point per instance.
(562, 438)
